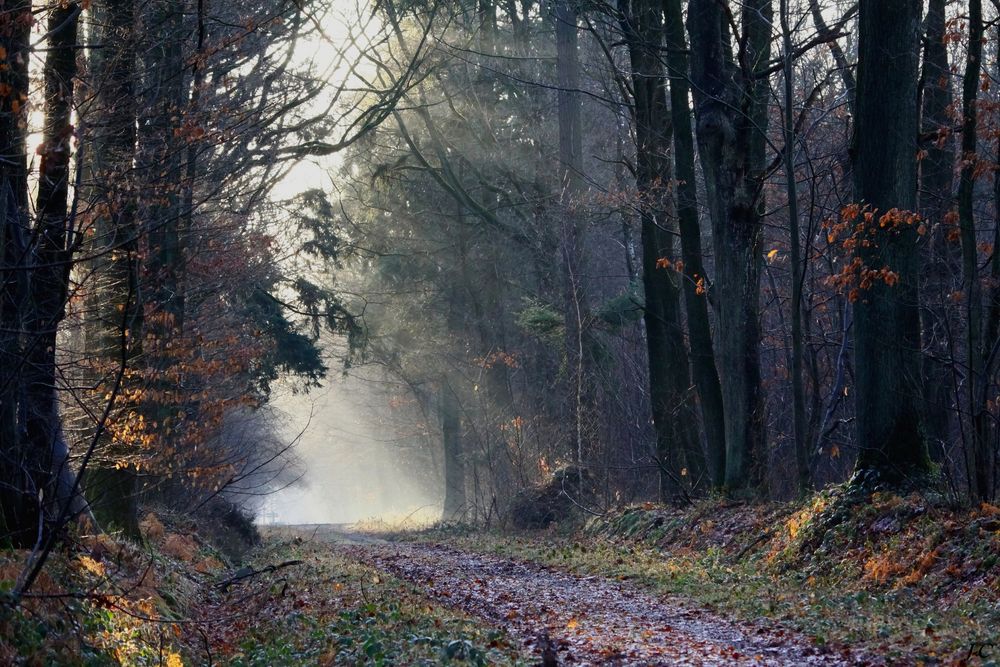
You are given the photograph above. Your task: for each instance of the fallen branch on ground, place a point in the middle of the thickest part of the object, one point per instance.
(249, 573)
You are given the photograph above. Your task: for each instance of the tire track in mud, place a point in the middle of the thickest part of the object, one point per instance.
(581, 620)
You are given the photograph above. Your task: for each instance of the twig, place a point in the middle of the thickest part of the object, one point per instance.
(757, 540)
(570, 498)
(208, 646)
(250, 573)
(684, 496)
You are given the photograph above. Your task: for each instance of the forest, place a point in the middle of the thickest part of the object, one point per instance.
(686, 312)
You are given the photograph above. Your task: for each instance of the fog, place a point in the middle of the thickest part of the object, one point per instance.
(358, 454)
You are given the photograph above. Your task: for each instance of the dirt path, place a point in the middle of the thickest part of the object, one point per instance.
(586, 620)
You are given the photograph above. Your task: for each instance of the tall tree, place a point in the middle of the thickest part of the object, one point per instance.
(571, 184)
(991, 324)
(19, 505)
(704, 370)
(678, 445)
(799, 428)
(887, 316)
(53, 240)
(162, 92)
(936, 201)
(730, 91)
(111, 200)
(455, 504)
(160, 176)
(979, 457)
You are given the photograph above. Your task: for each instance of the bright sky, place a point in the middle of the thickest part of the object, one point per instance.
(347, 29)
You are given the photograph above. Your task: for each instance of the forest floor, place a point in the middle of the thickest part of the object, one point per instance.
(294, 601)
(585, 620)
(846, 577)
(839, 579)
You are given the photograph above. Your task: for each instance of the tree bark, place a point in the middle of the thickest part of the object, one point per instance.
(678, 447)
(160, 171)
(799, 426)
(731, 114)
(991, 333)
(53, 255)
(19, 503)
(941, 260)
(111, 486)
(979, 463)
(455, 503)
(706, 374)
(887, 318)
(571, 186)
(160, 159)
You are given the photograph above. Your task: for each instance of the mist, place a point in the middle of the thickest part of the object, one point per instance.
(359, 457)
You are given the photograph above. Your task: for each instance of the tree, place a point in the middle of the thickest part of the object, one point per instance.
(571, 177)
(730, 92)
(980, 463)
(455, 503)
(890, 438)
(799, 430)
(115, 338)
(703, 366)
(942, 259)
(678, 448)
(36, 260)
(55, 241)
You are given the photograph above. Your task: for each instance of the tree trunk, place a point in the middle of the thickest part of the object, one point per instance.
(678, 447)
(19, 503)
(799, 426)
(887, 318)
(53, 253)
(455, 504)
(160, 172)
(941, 260)
(114, 498)
(159, 162)
(111, 486)
(706, 375)
(992, 319)
(979, 464)
(571, 186)
(731, 114)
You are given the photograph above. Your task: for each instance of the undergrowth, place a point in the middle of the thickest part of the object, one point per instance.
(105, 601)
(101, 601)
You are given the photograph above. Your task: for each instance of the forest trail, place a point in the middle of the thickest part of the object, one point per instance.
(577, 620)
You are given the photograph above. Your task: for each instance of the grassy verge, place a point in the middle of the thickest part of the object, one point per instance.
(902, 577)
(101, 601)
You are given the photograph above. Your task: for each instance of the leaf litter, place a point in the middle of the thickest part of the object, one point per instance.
(588, 620)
